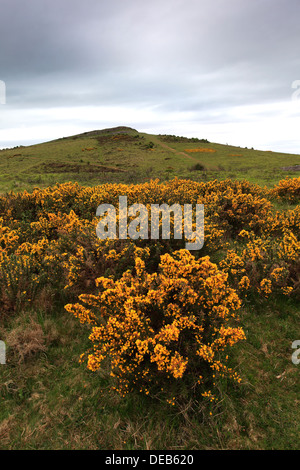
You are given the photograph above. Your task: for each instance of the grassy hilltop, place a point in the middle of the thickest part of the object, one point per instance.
(123, 154)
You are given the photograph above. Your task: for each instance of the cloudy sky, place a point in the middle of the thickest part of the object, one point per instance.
(225, 70)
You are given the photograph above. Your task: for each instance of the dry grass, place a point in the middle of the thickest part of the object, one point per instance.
(26, 341)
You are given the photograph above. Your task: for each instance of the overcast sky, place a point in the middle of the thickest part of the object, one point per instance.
(217, 69)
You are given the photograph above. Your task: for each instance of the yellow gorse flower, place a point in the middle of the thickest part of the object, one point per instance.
(158, 315)
(142, 320)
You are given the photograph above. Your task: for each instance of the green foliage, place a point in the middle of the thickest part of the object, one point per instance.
(198, 167)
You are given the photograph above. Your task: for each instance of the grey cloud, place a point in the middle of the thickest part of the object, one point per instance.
(198, 56)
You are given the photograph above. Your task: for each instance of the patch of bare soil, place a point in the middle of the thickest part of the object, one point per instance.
(158, 142)
(57, 167)
(291, 168)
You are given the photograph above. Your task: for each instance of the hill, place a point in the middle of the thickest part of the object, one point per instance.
(122, 154)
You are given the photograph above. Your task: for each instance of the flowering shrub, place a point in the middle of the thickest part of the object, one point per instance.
(19, 280)
(264, 266)
(288, 190)
(235, 211)
(160, 318)
(278, 223)
(158, 329)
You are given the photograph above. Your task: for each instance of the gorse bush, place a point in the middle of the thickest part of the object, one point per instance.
(158, 329)
(288, 190)
(162, 320)
(263, 267)
(237, 211)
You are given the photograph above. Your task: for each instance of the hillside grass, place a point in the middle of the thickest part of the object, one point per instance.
(132, 157)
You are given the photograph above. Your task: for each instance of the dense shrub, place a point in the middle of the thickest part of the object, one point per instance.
(161, 318)
(198, 167)
(263, 267)
(288, 190)
(158, 329)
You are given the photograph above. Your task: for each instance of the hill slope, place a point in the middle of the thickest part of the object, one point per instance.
(123, 154)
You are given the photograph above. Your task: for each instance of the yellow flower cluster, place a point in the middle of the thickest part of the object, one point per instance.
(163, 326)
(265, 265)
(287, 190)
(158, 315)
(204, 150)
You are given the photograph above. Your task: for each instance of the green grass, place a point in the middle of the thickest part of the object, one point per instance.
(130, 159)
(50, 401)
